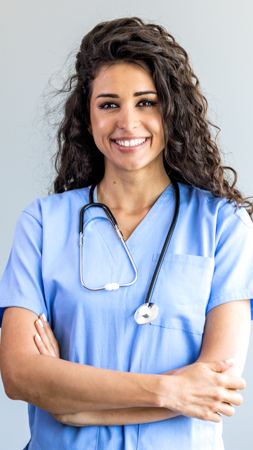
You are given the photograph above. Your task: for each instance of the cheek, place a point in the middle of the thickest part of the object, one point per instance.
(100, 127)
(155, 123)
(157, 129)
(100, 132)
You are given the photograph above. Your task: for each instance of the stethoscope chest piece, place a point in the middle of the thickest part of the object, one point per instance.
(146, 313)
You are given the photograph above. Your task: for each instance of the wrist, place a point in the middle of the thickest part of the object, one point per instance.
(155, 387)
(166, 389)
(144, 390)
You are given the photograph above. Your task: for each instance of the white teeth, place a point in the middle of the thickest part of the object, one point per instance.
(131, 143)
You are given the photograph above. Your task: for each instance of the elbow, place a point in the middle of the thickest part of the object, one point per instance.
(10, 388)
(11, 380)
(11, 392)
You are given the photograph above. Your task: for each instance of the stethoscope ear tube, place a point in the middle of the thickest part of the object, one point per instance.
(148, 311)
(109, 286)
(96, 205)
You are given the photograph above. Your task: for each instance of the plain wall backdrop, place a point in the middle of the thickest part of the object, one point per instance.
(36, 37)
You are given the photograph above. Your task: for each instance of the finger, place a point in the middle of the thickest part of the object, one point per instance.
(42, 331)
(221, 366)
(44, 337)
(224, 408)
(60, 417)
(213, 417)
(40, 345)
(233, 397)
(208, 414)
(50, 334)
(230, 396)
(230, 382)
(213, 411)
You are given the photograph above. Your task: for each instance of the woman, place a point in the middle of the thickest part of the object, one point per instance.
(135, 128)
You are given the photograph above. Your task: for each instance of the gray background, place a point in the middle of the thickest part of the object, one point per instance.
(36, 37)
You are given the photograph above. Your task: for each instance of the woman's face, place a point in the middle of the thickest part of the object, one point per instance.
(125, 120)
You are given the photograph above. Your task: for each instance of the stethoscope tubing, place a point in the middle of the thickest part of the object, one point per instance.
(147, 312)
(113, 222)
(166, 244)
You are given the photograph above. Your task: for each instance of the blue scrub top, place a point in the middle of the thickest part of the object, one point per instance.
(209, 262)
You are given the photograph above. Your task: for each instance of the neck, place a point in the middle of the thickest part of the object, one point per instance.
(132, 191)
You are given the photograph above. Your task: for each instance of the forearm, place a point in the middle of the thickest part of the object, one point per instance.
(124, 416)
(60, 386)
(116, 417)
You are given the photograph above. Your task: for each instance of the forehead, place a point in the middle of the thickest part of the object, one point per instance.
(121, 76)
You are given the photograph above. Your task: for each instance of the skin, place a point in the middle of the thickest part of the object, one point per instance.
(133, 180)
(84, 395)
(47, 345)
(63, 387)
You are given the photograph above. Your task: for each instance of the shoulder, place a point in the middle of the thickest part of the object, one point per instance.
(56, 206)
(217, 209)
(192, 194)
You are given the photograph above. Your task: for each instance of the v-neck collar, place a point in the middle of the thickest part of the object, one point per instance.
(167, 196)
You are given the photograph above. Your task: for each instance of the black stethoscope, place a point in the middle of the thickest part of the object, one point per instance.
(148, 311)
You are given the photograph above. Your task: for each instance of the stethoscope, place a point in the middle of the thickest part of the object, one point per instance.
(148, 311)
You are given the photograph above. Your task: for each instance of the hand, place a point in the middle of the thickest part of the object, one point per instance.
(81, 419)
(45, 339)
(48, 345)
(202, 391)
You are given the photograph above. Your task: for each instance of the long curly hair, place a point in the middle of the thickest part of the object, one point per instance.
(191, 155)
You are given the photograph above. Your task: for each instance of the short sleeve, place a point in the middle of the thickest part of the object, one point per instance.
(21, 284)
(233, 270)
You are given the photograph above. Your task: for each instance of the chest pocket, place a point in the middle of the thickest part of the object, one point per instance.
(182, 291)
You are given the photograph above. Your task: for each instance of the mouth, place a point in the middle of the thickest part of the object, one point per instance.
(128, 145)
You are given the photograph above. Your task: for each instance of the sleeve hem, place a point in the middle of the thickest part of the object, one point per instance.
(231, 297)
(20, 302)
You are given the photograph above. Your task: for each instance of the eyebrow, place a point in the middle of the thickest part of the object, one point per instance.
(136, 94)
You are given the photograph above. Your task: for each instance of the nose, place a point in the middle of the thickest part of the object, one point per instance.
(128, 118)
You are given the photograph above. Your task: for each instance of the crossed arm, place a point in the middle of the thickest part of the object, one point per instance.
(83, 395)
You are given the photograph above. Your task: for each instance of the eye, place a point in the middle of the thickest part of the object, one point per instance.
(108, 105)
(146, 103)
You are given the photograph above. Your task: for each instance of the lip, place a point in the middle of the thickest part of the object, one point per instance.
(134, 149)
(128, 138)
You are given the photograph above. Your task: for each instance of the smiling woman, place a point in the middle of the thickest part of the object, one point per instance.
(134, 140)
(128, 131)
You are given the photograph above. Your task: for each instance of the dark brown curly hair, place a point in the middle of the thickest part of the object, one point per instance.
(191, 155)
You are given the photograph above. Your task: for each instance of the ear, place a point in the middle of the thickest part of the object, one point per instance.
(88, 124)
(89, 128)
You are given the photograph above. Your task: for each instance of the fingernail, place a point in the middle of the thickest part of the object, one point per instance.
(38, 337)
(44, 317)
(230, 361)
(40, 322)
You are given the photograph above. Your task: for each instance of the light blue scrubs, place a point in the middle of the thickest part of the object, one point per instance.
(209, 262)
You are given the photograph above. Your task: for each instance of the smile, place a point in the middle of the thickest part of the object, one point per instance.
(130, 142)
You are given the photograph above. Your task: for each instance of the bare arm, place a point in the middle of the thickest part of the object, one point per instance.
(226, 333)
(47, 345)
(60, 386)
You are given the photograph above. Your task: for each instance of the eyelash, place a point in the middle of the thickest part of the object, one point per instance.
(107, 105)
